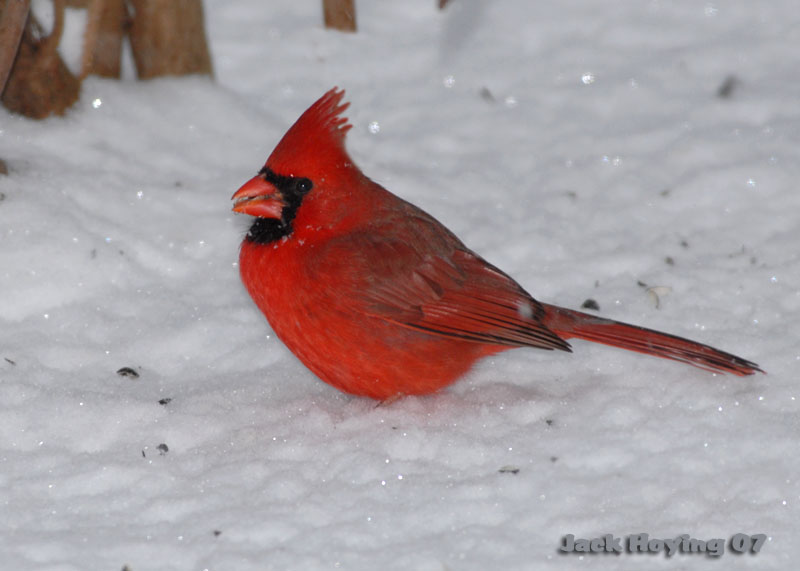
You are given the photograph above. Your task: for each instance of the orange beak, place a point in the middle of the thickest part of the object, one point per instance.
(259, 198)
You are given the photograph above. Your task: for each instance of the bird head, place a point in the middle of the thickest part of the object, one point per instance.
(309, 159)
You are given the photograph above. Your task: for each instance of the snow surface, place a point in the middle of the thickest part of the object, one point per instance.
(581, 146)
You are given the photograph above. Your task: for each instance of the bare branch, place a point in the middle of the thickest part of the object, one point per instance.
(102, 41)
(340, 14)
(12, 24)
(40, 83)
(168, 38)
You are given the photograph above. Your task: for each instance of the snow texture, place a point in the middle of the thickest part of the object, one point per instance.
(590, 149)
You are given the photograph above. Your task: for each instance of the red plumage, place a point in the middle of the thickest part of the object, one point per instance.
(377, 297)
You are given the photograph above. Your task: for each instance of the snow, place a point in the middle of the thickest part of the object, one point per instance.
(577, 145)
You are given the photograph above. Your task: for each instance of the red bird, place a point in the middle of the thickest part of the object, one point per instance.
(377, 297)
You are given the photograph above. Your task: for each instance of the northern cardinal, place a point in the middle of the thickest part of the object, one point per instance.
(377, 297)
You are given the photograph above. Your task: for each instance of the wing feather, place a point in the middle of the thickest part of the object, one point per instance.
(431, 282)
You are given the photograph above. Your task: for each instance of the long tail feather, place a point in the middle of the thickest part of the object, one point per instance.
(568, 323)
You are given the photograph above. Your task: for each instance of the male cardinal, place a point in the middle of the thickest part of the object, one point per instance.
(376, 296)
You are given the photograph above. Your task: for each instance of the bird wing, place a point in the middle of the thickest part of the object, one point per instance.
(430, 281)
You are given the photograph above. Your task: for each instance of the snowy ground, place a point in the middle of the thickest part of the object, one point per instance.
(581, 146)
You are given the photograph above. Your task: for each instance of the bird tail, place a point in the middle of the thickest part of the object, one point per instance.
(568, 323)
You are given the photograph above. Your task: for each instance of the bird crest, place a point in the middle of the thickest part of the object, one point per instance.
(316, 140)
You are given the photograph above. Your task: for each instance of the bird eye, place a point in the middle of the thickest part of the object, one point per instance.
(303, 185)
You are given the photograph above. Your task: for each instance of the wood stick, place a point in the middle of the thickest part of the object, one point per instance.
(102, 41)
(168, 38)
(340, 14)
(12, 24)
